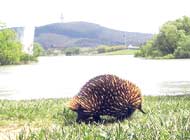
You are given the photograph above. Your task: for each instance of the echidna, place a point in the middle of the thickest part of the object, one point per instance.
(106, 95)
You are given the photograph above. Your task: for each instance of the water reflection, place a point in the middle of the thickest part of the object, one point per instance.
(175, 87)
(61, 76)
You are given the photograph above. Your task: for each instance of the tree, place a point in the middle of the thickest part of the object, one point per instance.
(183, 50)
(72, 51)
(171, 41)
(10, 47)
(37, 50)
(101, 49)
(166, 41)
(183, 24)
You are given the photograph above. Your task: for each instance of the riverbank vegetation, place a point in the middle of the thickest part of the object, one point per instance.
(168, 117)
(11, 48)
(172, 41)
(99, 50)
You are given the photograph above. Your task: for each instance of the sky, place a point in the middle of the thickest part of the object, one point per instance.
(127, 15)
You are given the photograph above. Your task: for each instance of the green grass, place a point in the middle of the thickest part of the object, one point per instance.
(121, 52)
(167, 118)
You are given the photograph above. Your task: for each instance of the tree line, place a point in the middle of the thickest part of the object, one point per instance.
(172, 41)
(70, 51)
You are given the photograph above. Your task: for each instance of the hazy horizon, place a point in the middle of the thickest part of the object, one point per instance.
(145, 16)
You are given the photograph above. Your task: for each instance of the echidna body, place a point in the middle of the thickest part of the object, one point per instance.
(106, 95)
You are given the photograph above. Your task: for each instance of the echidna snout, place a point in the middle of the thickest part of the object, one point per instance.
(141, 110)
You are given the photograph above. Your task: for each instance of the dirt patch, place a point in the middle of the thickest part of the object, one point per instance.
(11, 132)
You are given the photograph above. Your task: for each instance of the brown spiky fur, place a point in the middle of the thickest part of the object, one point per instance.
(106, 95)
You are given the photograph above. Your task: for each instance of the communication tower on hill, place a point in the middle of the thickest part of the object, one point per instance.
(62, 18)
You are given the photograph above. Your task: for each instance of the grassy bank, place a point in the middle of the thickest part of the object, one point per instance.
(166, 118)
(122, 52)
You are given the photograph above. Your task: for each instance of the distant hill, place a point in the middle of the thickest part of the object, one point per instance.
(84, 34)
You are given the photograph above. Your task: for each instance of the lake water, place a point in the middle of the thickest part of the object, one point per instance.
(63, 76)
